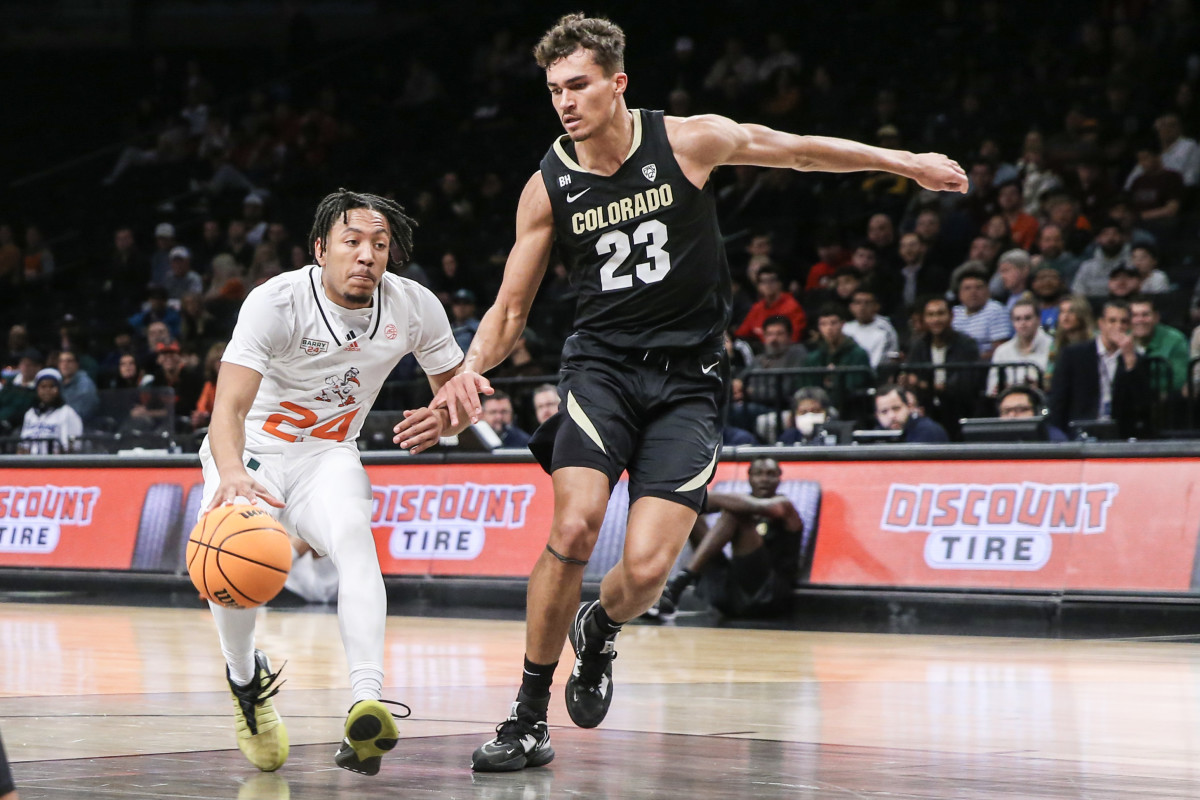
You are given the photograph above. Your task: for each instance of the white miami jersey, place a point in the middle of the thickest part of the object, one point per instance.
(323, 365)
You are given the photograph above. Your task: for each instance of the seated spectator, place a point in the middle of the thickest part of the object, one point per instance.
(953, 394)
(18, 395)
(873, 333)
(772, 302)
(171, 372)
(1104, 378)
(811, 409)
(1157, 340)
(1075, 324)
(920, 278)
(884, 281)
(1091, 280)
(978, 316)
(1179, 153)
(18, 343)
(1022, 226)
(155, 309)
(182, 279)
(498, 413)
(129, 374)
(834, 350)
(1013, 271)
(77, 387)
(765, 533)
(1030, 344)
(1048, 288)
(1063, 210)
(779, 353)
(1052, 253)
(227, 285)
(202, 413)
(1156, 194)
(463, 321)
(846, 282)
(50, 417)
(1021, 401)
(545, 402)
(521, 362)
(39, 261)
(1124, 282)
(733, 436)
(1144, 259)
(831, 256)
(894, 412)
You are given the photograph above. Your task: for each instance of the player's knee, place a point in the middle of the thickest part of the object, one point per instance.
(575, 535)
(648, 574)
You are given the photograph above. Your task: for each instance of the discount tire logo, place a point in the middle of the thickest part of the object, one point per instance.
(1007, 526)
(446, 521)
(31, 516)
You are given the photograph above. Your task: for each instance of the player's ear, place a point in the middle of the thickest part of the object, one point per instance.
(319, 251)
(620, 81)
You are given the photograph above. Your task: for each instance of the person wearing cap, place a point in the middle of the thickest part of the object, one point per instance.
(256, 226)
(160, 259)
(18, 396)
(1124, 282)
(464, 322)
(1091, 279)
(50, 418)
(182, 278)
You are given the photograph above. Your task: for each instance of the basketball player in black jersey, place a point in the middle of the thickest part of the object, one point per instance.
(626, 195)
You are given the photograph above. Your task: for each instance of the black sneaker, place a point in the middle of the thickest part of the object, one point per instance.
(590, 687)
(664, 610)
(522, 740)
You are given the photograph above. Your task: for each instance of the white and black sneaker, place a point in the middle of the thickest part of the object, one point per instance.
(590, 687)
(522, 741)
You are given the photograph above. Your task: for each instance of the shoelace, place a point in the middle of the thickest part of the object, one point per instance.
(407, 711)
(514, 727)
(261, 693)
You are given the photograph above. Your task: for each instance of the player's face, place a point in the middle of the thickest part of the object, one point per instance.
(764, 478)
(354, 257)
(585, 98)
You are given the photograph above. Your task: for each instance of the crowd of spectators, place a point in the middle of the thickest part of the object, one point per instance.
(857, 298)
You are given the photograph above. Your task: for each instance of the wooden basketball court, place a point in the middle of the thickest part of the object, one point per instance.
(106, 702)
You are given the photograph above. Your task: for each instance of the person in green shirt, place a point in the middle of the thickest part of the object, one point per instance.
(835, 349)
(1162, 341)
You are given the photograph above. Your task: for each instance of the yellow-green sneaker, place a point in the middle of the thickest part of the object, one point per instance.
(370, 732)
(261, 734)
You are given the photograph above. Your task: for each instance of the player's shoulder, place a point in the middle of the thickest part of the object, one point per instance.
(285, 285)
(408, 292)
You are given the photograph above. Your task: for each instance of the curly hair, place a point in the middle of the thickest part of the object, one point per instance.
(603, 39)
(343, 201)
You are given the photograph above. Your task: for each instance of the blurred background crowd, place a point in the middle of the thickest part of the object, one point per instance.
(146, 200)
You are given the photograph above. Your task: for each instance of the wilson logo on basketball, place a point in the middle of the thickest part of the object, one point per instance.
(447, 522)
(30, 516)
(996, 526)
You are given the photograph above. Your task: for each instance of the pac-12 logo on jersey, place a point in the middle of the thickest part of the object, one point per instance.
(314, 346)
(650, 171)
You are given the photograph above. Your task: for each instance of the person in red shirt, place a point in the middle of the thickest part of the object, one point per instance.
(1022, 226)
(830, 257)
(772, 301)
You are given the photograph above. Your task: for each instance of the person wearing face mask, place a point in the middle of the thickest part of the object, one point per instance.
(811, 409)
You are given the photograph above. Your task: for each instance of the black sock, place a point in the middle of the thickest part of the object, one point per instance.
(604, 624)
(536, 680)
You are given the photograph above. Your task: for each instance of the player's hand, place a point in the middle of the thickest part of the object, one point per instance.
(420, 429)
(939, 173)
(462, 393)
(241, 486)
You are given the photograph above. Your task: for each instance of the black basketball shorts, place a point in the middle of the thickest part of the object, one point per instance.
(652, 412)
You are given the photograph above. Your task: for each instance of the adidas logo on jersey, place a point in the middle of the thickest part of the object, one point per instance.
(353, 346)
(650, 171)
(314, 346)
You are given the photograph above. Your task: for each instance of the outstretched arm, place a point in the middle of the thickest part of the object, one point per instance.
(704, 142)
(504, 322)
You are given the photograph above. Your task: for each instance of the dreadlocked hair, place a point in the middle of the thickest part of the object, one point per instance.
(343, 201)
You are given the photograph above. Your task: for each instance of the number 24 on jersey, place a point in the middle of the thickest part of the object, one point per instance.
(334, 430)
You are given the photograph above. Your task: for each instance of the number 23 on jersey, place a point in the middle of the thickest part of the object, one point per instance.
(334, 430)
(653, 234)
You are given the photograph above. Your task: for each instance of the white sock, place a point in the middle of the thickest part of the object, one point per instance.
(367, 682)
(236, 629)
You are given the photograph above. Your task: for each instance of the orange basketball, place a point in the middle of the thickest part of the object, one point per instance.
(238, 556)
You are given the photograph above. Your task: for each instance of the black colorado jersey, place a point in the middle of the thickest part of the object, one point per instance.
(641, 245)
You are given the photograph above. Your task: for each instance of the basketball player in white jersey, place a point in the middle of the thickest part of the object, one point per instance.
(307, 358)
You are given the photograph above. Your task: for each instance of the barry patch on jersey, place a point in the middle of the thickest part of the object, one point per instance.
(323, 364)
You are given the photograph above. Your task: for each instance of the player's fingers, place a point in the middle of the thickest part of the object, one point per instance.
(468, 397)
(267, 497)
(483, 385)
